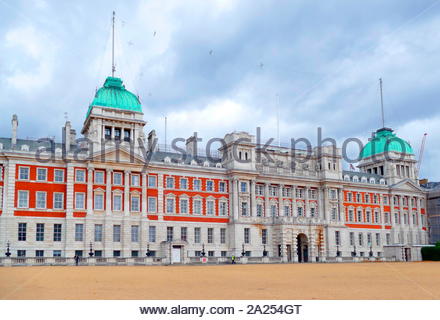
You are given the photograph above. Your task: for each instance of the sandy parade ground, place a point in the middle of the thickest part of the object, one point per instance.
(414, 280)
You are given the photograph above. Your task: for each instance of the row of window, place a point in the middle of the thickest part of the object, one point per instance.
(209, 237)
(40, 232)
(197, 184)
(375, 217)
(42, 174)
(197, 206)
(375, 199)
(117, 253)
(40, 200)
(286, 210)
(286, 191)
(361, 239)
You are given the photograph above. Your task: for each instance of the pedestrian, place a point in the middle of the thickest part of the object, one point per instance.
(233, 259)
(76, 257)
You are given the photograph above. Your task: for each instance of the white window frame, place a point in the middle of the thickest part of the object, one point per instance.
(83, 200)
(1, 197)
(37, 193)
(152, 210)
(134, 235)
(210, 207)
(200, 207)
(116, 236)
(54, 200)
(55, 175)
(244, 209)
(197, 185)
(185, 180)
(95, 180)
(117, 174)
(211, 184)
(83, 171)
(45, 174)
(28, 172)
(169, 185)
(138, 203)
(117, 195)
(94, 201)
(77, 233)
(98, 232)
(151, 179)
(170, 209)
(220, 188)
(223, 208)
(260, 213)
(186, 206)
(138, 179)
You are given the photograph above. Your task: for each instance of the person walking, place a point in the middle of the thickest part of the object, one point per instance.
(233, 259)
(76, 257)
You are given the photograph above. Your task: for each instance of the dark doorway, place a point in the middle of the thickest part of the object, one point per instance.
(302, 248)
(407, 254)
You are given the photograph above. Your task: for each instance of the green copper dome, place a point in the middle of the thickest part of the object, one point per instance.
(114, 95)
(385, 140)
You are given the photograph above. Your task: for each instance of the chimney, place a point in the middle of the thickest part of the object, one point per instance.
(66, 135)
(73, 136)
(14, 123)
(151, 140)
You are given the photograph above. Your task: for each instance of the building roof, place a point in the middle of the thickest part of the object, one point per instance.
(431, 186)
(363, 177)
(27, 144)
(385, 141)
(114, 95)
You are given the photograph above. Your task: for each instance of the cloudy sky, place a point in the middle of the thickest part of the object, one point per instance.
(217, 66)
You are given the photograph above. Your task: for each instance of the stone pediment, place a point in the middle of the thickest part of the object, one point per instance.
(406, 185)
(118, 155)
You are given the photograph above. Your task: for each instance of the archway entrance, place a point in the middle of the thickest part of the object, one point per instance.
(302, 244)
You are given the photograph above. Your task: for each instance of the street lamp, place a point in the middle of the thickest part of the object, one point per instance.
(91, 250)
(8, 252)
(242, 251)
(371, 250)
(148, 250)
(203, 250)
(264, 251)
(338, 253)
(353, 254)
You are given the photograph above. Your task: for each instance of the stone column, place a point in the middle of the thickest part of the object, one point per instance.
(253, 199)
(326, 204)
(144, 194)
(280, 200)
(266, 200)
(143, 232)
(108, 192)
(294, 208)
(70, 196)
(126, 193)
(235, 203)
(306, 202)
(341, 212)
(90, 191)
